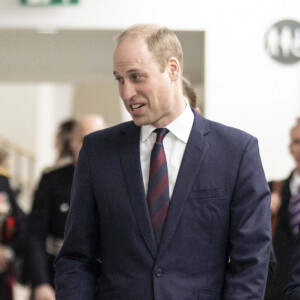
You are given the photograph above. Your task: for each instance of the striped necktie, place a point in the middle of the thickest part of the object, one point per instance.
(294, 208)
(158, 188)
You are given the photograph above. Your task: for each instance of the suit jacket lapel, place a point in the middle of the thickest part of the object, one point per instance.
(129, 147)
(191, 162)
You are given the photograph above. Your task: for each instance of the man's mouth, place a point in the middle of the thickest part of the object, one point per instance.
(136, 106)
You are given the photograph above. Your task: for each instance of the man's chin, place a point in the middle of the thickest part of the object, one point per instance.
(140, 122)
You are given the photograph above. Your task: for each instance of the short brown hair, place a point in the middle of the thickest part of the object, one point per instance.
(189, 92)
(64, 134)
(162, 42)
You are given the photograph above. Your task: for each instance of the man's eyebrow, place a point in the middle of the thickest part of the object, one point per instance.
(127, 72)
(133, 71)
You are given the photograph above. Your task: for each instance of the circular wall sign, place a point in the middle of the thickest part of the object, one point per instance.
(282, 41)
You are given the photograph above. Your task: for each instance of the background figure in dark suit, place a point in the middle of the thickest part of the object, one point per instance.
(292, 287)
(12, 230)
(51, 205)
(283, 236)
(49, 213)
(173, 239)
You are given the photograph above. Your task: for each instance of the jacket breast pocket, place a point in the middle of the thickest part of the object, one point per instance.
(198, 194)
(207, 295)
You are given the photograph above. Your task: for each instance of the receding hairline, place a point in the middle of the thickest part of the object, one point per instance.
(142, 31)
(148, 34)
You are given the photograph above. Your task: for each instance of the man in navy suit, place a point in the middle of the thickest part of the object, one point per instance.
(210, 239)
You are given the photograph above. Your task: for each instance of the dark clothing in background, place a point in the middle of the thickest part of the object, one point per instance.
(271, 272)
(47, 222)
(292, 287)
(12, 235)
(282, 241)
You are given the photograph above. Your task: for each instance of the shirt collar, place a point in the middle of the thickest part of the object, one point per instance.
(295, 183)
(180, 127)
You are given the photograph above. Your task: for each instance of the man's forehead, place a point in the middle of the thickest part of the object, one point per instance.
(131, 49)
(129, 62)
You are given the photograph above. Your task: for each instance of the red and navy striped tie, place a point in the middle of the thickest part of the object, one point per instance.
(158, 189)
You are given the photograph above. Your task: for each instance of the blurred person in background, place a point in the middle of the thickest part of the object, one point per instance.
(190, 94)
(12, 230)
(287, 212)
(62, 142)
(86, 125)
(292, 287)
(4, 162)
(51, 204)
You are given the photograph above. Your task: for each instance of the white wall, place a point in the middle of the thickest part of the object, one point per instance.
(99, 99)
(54, 104)
(30, 114)
(17, 113)
(244, 87)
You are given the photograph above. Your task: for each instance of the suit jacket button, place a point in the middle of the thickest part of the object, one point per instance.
(158, 272)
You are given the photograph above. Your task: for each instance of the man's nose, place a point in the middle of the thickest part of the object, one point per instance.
(127, 91)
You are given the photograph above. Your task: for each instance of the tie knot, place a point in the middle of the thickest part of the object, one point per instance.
(161, 133)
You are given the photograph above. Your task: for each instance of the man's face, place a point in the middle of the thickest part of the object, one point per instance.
(146, 91)
(295, 145)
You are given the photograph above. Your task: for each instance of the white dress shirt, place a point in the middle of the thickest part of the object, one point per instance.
(174, 144)
(295, 183)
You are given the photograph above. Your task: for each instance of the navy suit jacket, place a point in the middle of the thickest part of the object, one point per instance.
(220, 209)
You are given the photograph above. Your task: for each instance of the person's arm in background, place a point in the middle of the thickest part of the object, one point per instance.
(38, 228)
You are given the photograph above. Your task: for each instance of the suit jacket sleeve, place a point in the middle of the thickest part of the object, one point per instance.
(77, 265)
(250, 230)
(38, 227)
(292, 288)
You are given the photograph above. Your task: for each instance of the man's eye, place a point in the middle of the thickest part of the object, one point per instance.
(136, 77)
(120, 80)
(296, 142)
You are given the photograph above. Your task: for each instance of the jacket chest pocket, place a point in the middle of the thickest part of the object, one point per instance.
(206, 295)
(198, 194)
(208, 210)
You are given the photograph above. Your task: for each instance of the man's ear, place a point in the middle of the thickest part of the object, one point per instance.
(174, 68)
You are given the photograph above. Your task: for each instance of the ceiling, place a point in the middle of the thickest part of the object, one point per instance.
(79, 56)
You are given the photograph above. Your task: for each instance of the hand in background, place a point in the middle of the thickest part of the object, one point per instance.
(44, 292)
(3, 260)
(275, 202)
